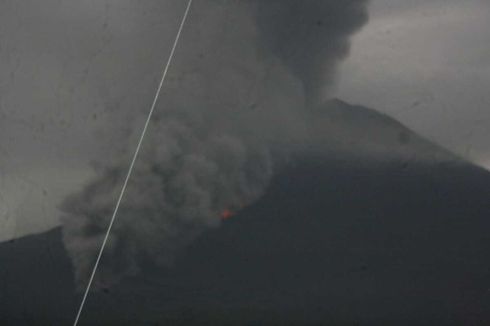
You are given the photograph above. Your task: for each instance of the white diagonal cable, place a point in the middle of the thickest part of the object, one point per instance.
(135, 155)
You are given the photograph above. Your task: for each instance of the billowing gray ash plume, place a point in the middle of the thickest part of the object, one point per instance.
(232, 109)
(310, 37)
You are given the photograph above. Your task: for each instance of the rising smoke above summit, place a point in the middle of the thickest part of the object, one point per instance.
(310, 37)
(231, 112)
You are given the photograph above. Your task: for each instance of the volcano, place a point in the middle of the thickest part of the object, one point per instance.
(374, 225)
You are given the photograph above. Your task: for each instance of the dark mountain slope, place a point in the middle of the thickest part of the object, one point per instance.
(337, 239)
(363, 132)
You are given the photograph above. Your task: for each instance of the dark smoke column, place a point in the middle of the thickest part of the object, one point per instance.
(310, 37)
(231, 113)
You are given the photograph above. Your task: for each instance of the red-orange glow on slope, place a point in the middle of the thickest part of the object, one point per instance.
(226, 214)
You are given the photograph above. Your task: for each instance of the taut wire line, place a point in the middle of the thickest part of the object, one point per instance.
(135, 156)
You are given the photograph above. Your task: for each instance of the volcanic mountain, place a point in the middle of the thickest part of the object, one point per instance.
(372, 225)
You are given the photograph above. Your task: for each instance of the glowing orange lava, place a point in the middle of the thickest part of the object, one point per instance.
(226, 214)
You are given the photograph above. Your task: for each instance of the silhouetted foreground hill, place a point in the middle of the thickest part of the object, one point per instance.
(336, 240)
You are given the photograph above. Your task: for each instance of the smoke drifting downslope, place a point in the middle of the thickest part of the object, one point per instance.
(232, 111)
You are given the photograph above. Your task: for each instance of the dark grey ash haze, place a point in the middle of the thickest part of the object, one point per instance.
(341, 214)
(222, 128)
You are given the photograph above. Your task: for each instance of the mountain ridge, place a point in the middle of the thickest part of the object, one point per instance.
(336, 239)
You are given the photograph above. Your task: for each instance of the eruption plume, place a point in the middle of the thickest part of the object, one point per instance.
(230, 113)
(310, 37)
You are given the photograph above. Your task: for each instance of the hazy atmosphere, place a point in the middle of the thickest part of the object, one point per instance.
(427, 63)
(64, 96)
(306, 161)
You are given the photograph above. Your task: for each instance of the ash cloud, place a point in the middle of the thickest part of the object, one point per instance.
(232, 110)
(311, 37)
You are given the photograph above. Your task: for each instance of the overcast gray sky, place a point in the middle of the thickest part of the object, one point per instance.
(427, 63)
(72, 73)
(424, 62)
